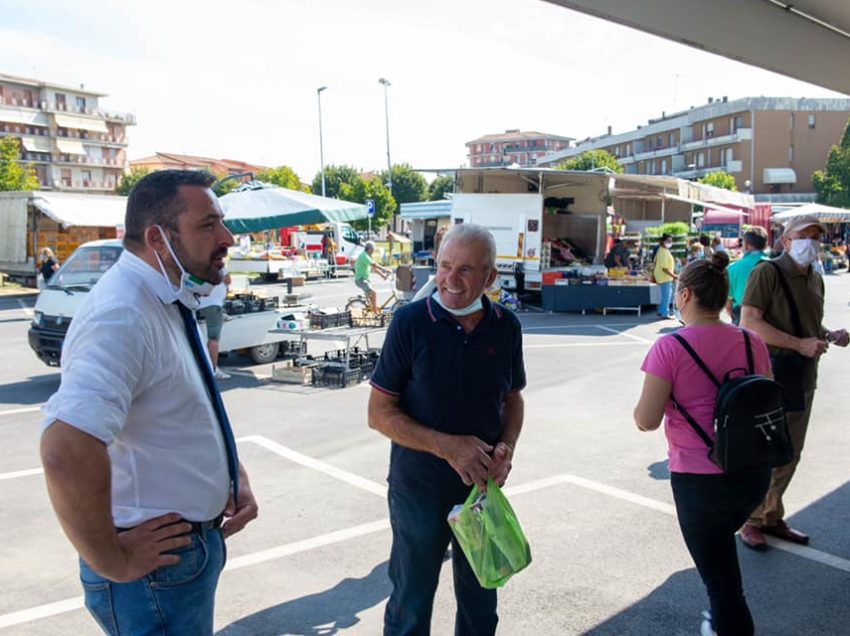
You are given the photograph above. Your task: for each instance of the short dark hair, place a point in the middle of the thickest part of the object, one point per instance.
(756, 237)
(703, 240)
(664, 237)
(154, 201)
(708, 281)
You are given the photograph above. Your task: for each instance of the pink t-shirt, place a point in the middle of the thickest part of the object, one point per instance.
(722, 349)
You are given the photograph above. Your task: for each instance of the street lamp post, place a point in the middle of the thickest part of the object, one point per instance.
(386, 84)
(321, 147)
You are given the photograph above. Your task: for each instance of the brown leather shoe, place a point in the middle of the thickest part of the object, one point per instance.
(782, 530)
(752, 537)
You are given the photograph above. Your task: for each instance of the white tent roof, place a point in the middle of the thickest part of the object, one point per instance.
(87, 210)
(824, 213)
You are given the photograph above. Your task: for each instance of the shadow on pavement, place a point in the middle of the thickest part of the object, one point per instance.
(659, 470)
(788, 595)
(32, 391)
(324, 613)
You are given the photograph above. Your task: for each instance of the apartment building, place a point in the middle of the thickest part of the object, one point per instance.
(173, 161)
(73, 144)
(770, 145)
(513, 147)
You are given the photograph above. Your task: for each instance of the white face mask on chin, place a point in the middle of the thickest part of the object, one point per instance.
(804, 251)
(191, 287)
(478, 305)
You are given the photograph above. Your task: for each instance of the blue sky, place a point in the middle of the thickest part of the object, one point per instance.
(238, 79)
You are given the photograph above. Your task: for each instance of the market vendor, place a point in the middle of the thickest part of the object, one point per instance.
(364, 265)
(618, 256)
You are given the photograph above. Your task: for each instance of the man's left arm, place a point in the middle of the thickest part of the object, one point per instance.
(237, 516)
(513, 414)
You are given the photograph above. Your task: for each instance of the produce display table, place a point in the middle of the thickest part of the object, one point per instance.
(604, 297)
(349, 336)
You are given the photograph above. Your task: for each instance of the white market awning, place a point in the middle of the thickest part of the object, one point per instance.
(705, 204)
(776, 176)
(36, 144)
(86, 210)
(70, 147)
(81, 123)
(823, 213)
(27, 117)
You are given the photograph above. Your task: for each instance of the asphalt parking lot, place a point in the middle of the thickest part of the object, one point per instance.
(591, 491)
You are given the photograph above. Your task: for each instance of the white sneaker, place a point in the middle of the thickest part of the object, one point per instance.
(705, 629)
(221, 375)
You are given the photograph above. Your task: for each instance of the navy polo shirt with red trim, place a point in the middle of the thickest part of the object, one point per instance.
(448, 380)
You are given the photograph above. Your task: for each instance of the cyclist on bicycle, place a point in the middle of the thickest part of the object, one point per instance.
(363, 268)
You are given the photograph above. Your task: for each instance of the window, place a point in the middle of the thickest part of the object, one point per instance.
(86, 177)
(709, 129)
(811, 122)
(81, 104)
(670, 140)
(60, 101)
(791, 153)
(700, 160)
(791, 121)
(728, 156)
(660, 141)
(663, 166)
(735, 123)
(628, 149)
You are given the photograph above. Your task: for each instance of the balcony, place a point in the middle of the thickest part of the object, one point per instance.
(80, 160)
(656, 152)
(520, 149)
(742, 134)
(91, 137)
(128, 119)
(85, 184)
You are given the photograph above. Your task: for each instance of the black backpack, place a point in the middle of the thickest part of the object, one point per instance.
(750, 431)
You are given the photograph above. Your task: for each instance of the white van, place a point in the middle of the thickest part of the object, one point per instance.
(68, 287)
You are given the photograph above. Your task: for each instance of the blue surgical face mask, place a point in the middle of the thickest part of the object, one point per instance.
(191, 287)
(478, 305)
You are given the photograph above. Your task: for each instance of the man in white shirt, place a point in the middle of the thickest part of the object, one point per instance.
(138, 453)
(212, 311)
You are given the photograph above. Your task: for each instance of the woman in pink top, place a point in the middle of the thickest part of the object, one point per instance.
(710, 504)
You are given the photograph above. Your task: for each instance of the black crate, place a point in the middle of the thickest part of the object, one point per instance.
(270, 303)
(335, 377)
(372, 320)
(327, 321)
(296, 348)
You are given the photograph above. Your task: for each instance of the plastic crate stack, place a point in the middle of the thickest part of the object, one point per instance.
(332, 372)
(319, 320)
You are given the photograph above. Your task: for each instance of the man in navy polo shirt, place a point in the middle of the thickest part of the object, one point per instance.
(446, 391)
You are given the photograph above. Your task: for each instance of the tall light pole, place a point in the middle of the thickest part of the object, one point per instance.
(321, 148)
(386, 84)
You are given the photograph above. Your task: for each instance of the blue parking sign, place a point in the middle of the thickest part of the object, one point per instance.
(370, 206)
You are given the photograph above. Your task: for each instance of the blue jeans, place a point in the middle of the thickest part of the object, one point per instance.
(666, 298)
(710, 509)
(421, 535)
(176, 599)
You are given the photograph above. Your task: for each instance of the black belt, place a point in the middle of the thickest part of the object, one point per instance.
(198, 527)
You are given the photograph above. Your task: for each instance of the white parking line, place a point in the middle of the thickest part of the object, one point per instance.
(21, 473)
(623, 333)
(41, 611)
(560, 345)
(29, 409)
(29, 312)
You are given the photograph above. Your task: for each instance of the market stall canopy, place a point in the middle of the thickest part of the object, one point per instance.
(256, 206)
(82, 210)
(426, 210)
(824, 213)
(805, 39)
(397, 238)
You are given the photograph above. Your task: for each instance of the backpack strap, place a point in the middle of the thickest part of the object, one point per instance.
(750, 363)
(795, 314)
(696, 358)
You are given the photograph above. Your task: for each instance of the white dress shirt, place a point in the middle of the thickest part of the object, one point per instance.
(129, 378)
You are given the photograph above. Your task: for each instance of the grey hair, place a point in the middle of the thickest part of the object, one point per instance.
(369, 244)
(473, 233)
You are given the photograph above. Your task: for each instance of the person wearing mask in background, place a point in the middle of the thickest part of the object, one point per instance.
(767, 310)
(710, 505)
(48, 266)
(364, 265)
(717, 245)
(447, 391)
(212, 311)
(139, 456)
(755, 240)
(664, 272)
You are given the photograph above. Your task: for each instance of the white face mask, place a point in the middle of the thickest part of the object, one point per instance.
(804, 251)
(668, 244)
(478, 305)
(191, 287)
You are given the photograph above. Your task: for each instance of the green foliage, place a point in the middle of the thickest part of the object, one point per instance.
(592, 160)
(677, 228)
(362, 189)
(719, 180)
(335, 176)
(408, 185)
(833, 183)
(285, 177)
(129, 179)
(438, 188)
(14, 176)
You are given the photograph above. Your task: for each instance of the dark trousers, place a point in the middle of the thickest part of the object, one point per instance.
(710, 509)
(421, 535)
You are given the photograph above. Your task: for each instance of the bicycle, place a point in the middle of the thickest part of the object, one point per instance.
(362, 304)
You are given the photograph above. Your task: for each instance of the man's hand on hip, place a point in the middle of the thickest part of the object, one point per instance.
(144, 548)
(469, 456)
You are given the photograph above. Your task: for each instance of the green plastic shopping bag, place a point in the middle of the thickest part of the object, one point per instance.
(490, 536)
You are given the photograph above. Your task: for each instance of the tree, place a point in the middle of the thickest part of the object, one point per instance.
(129, 179)
(438, 188)
(362, 189)
(285, 177)
(719, 180)
(334, 177)
(592, 160)
(408, 185)
(832, 184)
(14, 176)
